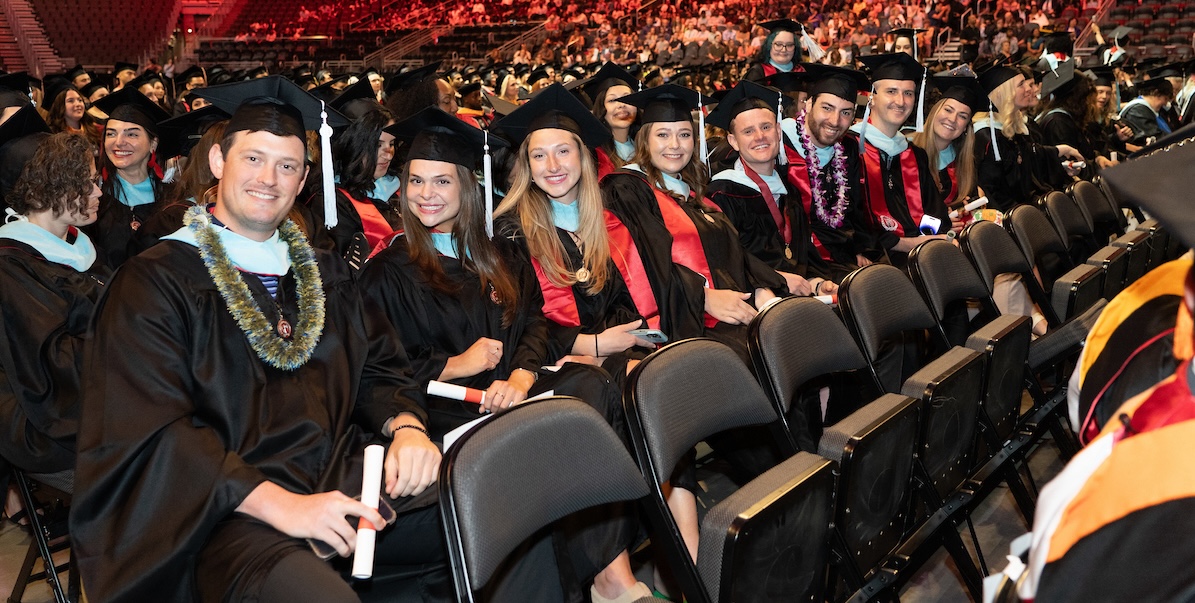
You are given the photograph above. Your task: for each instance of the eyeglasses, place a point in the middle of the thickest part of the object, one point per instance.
(783, 45)
(98, 180)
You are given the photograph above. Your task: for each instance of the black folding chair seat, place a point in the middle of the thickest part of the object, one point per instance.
(1106, 220)
(1137, 244)
(1069, 287)
(684, 393)
(1114, 262)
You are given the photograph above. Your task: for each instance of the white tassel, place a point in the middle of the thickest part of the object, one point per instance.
(863, 125)
(782, 157)
(921, 103)
(992, 130)
(325, 152)
(701, 124)
(812, 48)
(488, 174)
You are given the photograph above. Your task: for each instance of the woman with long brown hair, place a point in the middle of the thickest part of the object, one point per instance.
(948, 139)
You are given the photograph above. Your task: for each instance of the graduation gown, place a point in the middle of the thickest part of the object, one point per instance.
(361, 224)
(181, 419)
(44, 311)
(747, 208)
(575, 311)
(1010, 181)
(900, 191)
(115, 229)
(1059, 127)
(683, 245)
(1139, 116)
(836, 245)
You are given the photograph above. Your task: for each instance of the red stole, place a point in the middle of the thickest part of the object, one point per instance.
(687, 249)
(769, 69)
(560, 303)
(877, 199)
(626, 258)
(375, 226)
(604, 164)
(798, 175)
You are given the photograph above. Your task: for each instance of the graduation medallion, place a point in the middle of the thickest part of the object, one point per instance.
(708, 218)
(788, 252)
(284, 329)
(582, 275)
(494, 295)
(135, 223)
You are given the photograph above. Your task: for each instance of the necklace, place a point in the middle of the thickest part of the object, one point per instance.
(832, 217)
(271, 346)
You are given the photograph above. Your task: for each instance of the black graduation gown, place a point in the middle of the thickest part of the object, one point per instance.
(1060, 127)
(44, 311)
(747, 210)
(1010, 181)
(595, 312)
(349, 233)
(901, 198)
(1143, 121)
(679, 290)
(115, 229)
(181, 420)
(842, 243)
(1048, 176)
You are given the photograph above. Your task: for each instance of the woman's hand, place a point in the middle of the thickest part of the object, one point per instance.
(483, 355)
(1069, 152)
(611, 341)
(729, 306)
(501, 395)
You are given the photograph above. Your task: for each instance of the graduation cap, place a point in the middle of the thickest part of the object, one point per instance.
(1160, 183)
(553, 108)
(500, 105)
(279, 106)
(964, 89)
(537, 75)
(1168, 70)
(90, 89)
(129, 105)
(55, 85)
(24, 122)
(896, 66)
(1060, 80)
(670, 103)
(910, 33)
(257, 73)
(989, 80)
(20, 136)
(148, 77)
(607, 77)
(1119, 32)
(1152, 85)
(14, 90)
(75, 72)
(838, 81)
(434, 135)
(412, 78)
(190, 72)
(180, 134)
(1102, 75)
(469, 88)
(356, 100)
(121, 66)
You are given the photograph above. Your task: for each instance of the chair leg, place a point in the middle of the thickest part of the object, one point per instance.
(962, 560)
(18, 588)
(983, 564)
(1026, 501)
(40, 536)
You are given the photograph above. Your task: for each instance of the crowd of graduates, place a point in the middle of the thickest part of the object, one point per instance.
(218, 286)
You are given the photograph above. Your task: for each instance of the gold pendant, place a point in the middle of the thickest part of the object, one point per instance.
(582, 275)
(135, 223)
(788, 252)
(708, 218)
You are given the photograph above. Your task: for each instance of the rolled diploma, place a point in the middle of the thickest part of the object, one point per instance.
(371, 484)
(972, 206)
(455, 392)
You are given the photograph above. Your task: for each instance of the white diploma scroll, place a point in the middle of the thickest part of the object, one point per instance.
(371, 485)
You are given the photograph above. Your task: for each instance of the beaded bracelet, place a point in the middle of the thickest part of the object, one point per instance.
(411, 426)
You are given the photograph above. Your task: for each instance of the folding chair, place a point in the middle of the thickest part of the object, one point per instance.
(949, 285)
(892, 324)
(1070, 289)
(1159, 242)
(1114, 263)
(794, 344)
(45, 529)
(770, 540)
(1076, 232)
(1106, 221)
(1136, 244)
(522, 470)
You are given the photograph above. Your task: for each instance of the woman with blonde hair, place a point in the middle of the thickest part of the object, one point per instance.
(1011, 168)
(948, 139)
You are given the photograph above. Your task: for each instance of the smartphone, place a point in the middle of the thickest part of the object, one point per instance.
(325, 551)
(653, 335)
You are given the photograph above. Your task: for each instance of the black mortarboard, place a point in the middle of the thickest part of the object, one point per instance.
(24, 122)
(356, 99)
(1160, 184)
(608, 76)
(411, 78)
(1152, 84)
(20, 136)
(537, 75)
(92, 88)
(993, 78)
(1102, 75)
(553, 108)
(1169, 70)
(123, 67)
(1059, 80)
(148, 77)
(270, 103)
(180, 134)
(788, 81)
(190, 72)
(1119, 32)
(893, 66)
(302, 71)
(469, 88)
(75, 72)
(745, 96)
(500, 105)
(964, 89)
(782, 25)
(18, 81)
(838, 81)
(257, 73)
(129, 105)
(665, 103)
(907, 32)
(55, 85)
(434, 135)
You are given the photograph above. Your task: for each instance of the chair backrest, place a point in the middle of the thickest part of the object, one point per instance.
(879, 302)
(993, 252)
(522, 470)
(944, 277)
(1104, 219)
(1032, 231)
(796, 340)
(1113, 202)
(688, 391)
(1068, 219)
